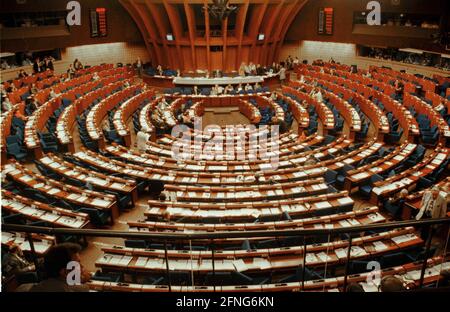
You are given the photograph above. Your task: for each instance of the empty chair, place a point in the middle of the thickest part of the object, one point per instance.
(135, 243)
(15, 151)
(113, 277)
(330, 176)
(366, 188)
(342, 174)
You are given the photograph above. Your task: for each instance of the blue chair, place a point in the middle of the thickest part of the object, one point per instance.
(135, 243)
(366, 188)
(330, 176)
(97, 217)
(342, 174)
(113, 277)
(15, 151)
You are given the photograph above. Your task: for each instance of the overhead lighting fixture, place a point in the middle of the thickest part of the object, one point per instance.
(169, 37)
(261, 37)
(220, 9)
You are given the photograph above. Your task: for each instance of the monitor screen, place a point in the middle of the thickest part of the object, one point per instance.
(169, 37)
(261, 37)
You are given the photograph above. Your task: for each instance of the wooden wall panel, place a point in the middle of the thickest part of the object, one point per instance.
(270, 17)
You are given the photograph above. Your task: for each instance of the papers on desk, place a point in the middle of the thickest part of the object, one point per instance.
(318, 187)
(46, 160)
(361, 175)
(97, 181)
(403, 238)
(54, 191)
(141, 262)
(82, 198)
(345, 201)
(353, 222)
(344, 223)
(311, 258)
(117, 185)
(379, 246)
(298, 174)
(324, 257)
(100, 202)
(73, 196)
(70, 222)
(240, 265)
(322, 205)
(26, 178)
(376, 217)
(50, 217)
(262, 263)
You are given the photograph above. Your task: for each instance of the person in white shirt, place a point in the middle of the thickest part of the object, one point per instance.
(319, 96)
(239, 88)
(6, 104)
(159, 70)
(53, 94)
(252, 68)
(141, 141)
(162, 105)
(214, 90)
(247, 70)
(282, 74)
(248, 87)
(96, 76)
(302, 79)
(220, 90)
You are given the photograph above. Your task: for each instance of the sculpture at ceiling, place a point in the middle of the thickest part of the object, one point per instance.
(220, 9)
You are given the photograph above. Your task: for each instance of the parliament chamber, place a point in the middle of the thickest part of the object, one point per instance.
(225, 146)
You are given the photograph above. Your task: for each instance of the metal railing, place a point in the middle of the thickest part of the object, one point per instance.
(429, 225)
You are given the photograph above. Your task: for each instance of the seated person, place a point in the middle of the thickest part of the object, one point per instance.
(105, 125)
(22, 74)
(34, 89)
(257, 86)
(311, 160)
(159, 70)
(248, 87)
(215, 90)
(391, 283)
(19, 115)
(15, 263)
(239, 88)
(163, 105)
(229, 89)
(6, 104)
(71, 71)
(53, 94)
(56, 261)
(195, 91)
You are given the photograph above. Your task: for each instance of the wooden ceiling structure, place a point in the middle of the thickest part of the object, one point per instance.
(201, 41)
